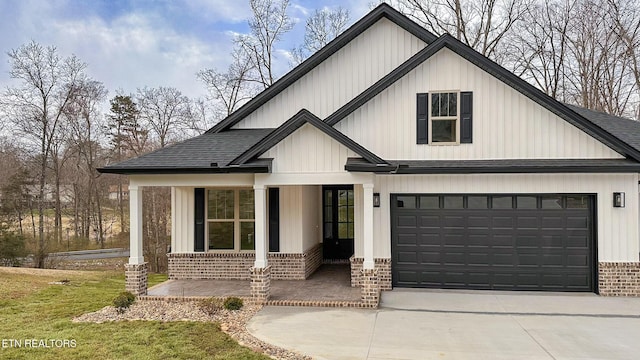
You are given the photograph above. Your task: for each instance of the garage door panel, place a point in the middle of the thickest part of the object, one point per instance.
(577, 222)
(408, 221)
(576, 241)
(552, 222)
(478, 222)
(504, 222)
(432, 221)
(528, 222)
(407, 257)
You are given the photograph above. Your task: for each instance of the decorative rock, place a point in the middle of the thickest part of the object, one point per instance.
(232, 323)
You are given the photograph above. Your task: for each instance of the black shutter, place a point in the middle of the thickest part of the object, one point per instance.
(422, 119)
(466, 117)
(274, 220)
(198, 244)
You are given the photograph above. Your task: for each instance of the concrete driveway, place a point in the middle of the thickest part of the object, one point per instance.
(424, 324)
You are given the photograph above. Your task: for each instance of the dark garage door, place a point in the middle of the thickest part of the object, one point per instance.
(500, 242)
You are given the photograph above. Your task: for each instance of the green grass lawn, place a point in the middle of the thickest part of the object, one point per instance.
(30, 308)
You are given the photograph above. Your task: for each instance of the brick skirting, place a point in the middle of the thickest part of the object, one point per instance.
(237, 266)
(383, 267)
(260, 284)
(619, 278)
(135, 278)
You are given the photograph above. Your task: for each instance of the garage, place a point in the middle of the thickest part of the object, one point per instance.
(493, 241)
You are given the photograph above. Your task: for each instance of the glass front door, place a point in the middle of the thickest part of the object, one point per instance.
(338, 222)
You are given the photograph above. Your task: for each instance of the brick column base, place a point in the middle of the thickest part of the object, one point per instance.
(135, 276)
(260, 284)
(370, 288)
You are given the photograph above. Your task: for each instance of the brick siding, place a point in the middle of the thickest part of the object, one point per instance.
(619, 278)
(237, 266)
(383, 267)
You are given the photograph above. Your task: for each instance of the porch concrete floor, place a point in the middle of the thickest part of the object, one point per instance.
(328, 283)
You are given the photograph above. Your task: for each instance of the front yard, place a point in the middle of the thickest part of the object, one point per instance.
(36, 315)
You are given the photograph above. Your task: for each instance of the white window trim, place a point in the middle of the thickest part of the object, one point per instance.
(236, 221)
(436, 118)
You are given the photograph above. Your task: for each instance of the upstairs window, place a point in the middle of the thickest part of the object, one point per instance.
(444, 117)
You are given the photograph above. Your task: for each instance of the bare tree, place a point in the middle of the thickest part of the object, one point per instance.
(165, 111)
(322, 27)
(482, 24)
(269, 22)
(626, 18)
(47, 84)
(228, 90)
(86, 132)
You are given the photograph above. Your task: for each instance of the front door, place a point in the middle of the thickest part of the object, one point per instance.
(337, 202)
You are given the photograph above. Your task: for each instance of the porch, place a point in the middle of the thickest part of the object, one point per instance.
(330, 286)
(262, 237)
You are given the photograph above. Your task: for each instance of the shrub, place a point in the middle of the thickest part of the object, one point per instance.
(12, 247)
(123, 301)
(210, 306)
(233, 303)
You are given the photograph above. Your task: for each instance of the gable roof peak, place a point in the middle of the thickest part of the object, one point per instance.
(381, 11)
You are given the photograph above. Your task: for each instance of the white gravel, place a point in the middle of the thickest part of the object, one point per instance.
(231, 322)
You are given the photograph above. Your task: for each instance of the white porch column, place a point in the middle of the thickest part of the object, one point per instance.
(260, 226)
(136, 255)
(367, 226)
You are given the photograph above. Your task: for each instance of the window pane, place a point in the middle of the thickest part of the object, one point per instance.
(247, 235)
(328, 230)
(351, 231)
(350, 196)
(247, 204)
(429, 202)
(435, 105)
(444, 104)
(526, 202)
(406, 202)
(577, 202)
(443, 130)
(221, 235)
(343, 214)
(328, 213)
(350, 213)
(476, 202)
(221, 204)
(552, 202)
(342, 197)
(343, 231)
(453, 202)
(453, 104)
(502, 202)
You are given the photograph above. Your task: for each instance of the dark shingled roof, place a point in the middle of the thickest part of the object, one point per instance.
(624, 129)
(197, 155)
(506, 166)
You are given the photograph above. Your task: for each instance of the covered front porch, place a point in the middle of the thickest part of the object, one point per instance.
(330, 285)
(261, 265)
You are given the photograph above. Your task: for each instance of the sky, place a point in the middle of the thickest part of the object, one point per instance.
(130, 44)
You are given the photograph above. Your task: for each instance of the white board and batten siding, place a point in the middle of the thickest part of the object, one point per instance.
(182, 219)
(341, 77)
(506, 124)
(308, 150)
(617, 228)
